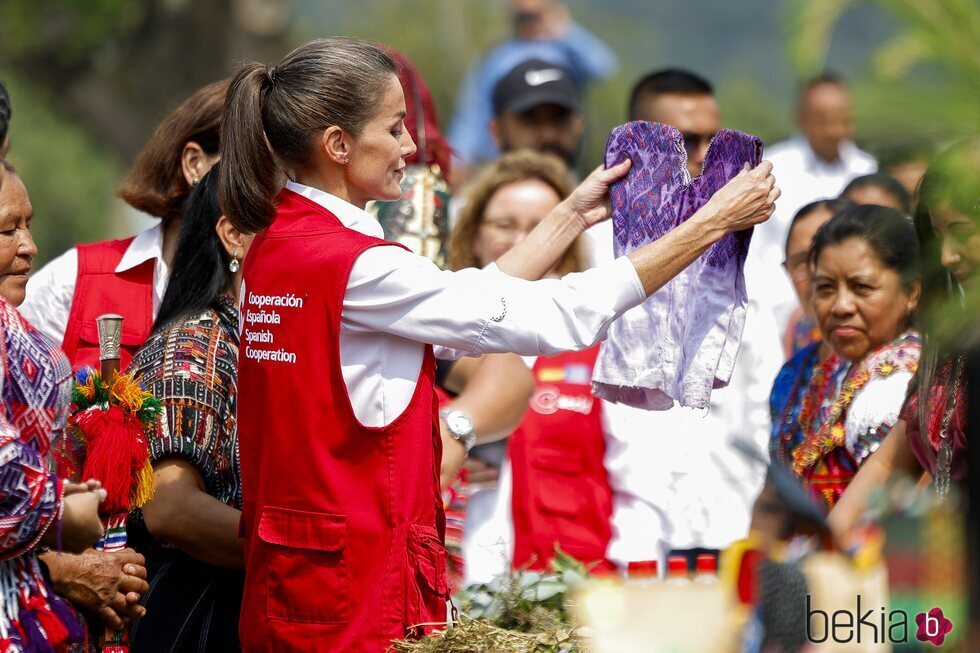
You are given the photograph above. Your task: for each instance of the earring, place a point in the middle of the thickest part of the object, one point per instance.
(346, 160)
(195, 181)
(233, 265)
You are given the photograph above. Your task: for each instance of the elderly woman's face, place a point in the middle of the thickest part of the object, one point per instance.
(512, 212)
(17, 249)
(860, 303)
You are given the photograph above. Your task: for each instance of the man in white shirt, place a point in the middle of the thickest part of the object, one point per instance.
(815, 164)
(679, 481)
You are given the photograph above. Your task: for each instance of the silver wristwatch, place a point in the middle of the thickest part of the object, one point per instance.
(460, 426)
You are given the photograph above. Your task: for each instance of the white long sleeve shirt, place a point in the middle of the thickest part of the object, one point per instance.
(678, 479)
(50, 290)
(396, 301)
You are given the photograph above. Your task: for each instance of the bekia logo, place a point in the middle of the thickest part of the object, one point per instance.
(539, 77)
(874, 625)
(933, 627)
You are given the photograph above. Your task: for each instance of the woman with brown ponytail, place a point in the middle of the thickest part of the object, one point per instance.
(338, 433)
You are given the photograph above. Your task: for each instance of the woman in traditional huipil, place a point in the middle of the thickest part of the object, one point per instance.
(931, 436)
(340, 448)
(37, 508)
(864, 264)
(190, 363)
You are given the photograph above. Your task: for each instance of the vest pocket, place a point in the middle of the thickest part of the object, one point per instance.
(426, 587)
(308, 579)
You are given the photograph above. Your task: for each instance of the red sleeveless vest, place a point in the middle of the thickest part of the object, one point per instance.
(343, 523)
(561, 492)
(100, 290)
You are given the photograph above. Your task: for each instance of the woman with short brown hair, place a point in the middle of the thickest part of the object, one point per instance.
(129, 276)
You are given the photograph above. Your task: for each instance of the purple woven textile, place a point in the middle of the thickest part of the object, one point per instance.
(682, 342)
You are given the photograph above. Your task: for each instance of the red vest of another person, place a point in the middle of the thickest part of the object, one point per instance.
(561, 492)
(99, 290)
(343, 523)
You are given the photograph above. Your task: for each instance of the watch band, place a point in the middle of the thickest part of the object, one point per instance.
(460, 426)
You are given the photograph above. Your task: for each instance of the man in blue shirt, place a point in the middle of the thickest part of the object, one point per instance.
(543, 30)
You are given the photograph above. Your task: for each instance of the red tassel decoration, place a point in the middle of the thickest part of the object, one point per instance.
(53, 628)
(115, 455)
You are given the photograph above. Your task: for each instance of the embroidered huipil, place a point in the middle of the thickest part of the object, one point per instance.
(947, 405)
(682, 341)
(786, 401)
(35, 385)
(861, 414)
(191, 366)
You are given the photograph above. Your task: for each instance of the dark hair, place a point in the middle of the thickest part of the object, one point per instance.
(887, 231)
(5, 112)
(274, 114)
(885, 183)
(670, 80)
(7, 166)
(826, 77)
(953, 179)
(156, 183)
(834, 206)
(199, 273)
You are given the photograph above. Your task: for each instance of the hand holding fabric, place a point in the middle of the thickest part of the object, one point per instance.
(747, 200)
(590, 201)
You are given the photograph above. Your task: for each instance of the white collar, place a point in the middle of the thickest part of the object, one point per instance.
(146, 245)
(845, 155)
(349, 215)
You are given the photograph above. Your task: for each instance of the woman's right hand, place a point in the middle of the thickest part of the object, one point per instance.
(747, 200)
(80, 524)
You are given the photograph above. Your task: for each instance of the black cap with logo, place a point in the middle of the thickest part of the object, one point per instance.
(534, 83)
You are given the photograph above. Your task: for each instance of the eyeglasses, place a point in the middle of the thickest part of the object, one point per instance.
(505, 228)
(796, 266)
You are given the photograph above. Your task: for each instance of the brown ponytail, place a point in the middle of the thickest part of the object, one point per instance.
(274, 115)
(249, 175)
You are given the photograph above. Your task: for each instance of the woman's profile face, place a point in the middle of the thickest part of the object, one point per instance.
(511, 213)
(859, 302)
(17, 249)
(797, 253)
(960, 240)
(377, 158)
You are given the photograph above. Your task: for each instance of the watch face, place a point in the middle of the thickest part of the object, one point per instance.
(460, 424)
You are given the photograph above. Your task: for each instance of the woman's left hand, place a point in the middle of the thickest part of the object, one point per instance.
(590, 201)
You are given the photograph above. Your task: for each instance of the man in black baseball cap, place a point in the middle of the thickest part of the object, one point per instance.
(537, 105)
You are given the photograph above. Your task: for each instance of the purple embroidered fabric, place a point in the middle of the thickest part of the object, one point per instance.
(682, 341)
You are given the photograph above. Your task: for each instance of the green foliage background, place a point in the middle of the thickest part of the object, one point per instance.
(70, 177)
(914, 67)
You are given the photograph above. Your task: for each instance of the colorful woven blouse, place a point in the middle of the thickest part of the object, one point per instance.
(192, 367)
(858, 418)
(947, 412)
(786, 401)
(35, 387)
